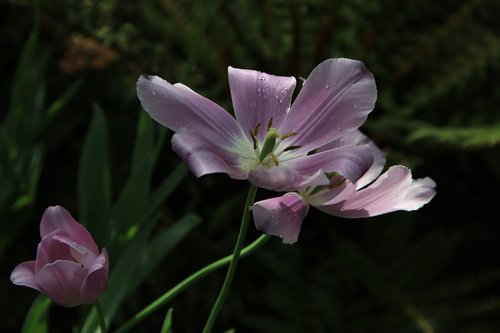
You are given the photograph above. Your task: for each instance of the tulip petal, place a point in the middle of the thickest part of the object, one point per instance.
(96, 281)
(335, 99)
(420, 192)
(204, 157)
(275, 178)
(281, 216)
(183, 110)
(351, 162)
(356, 137)
(24, 275)
(393, 190)
(285, 178)
(50, 249)
(61, 281)
(56, 218)
(77, 251)
(258, 97)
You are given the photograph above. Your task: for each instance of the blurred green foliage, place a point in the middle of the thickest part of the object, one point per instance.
(437, 69)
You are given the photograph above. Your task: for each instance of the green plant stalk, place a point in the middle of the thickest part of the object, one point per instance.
(234, 262)
(100, 316)
(169, 295)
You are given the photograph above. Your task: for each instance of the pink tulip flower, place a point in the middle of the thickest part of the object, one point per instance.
(270, 141)
(68, 267)
(372, 194)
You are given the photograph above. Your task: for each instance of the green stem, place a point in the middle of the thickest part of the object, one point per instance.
(169, 295)
(100, 316)
(234, 262)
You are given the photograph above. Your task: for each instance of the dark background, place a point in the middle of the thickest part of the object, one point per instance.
(437, 66)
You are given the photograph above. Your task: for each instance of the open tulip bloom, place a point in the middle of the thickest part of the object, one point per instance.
(310, 148)
(68, 267)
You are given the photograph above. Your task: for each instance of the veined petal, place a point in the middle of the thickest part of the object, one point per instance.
(275, 178)
(96, 281)
(56, 218)
(393, 190)
(281, 216)
(257, 97)
(356, 137)
(335, 99)
(420, 192)
(50, 249)
(204, 157)
(61, 281)
(349, 161)
(24, 275)
(183, 110)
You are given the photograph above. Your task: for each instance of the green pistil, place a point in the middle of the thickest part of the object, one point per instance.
(269, 143)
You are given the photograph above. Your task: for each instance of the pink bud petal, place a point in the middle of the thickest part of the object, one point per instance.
(24, 275)
(57, 218)
(96, 281)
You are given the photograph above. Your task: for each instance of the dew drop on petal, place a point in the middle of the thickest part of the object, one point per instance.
(153, 92)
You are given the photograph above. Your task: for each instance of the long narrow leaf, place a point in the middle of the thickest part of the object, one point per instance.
(37, 318)
(94, 189)
(167, 323)
(138, 261)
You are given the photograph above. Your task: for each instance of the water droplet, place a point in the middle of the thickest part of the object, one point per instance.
(153, 92)
(281, 101)
(327, 86)
(340, 128)
(355, 106)
(334, 83)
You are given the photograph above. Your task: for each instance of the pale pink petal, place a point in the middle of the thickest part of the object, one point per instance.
(351, 162)
(388, 193)
(61, 281)
(275, 178)
(96, 281)
(24, 275)
(56, 218)
(281, 216)
(50, 249)
(183, 110)
(78, 252)
(204, 157)
(420, 192)
(357, 138)
(335, 99)
(281, 178)
(258, 97)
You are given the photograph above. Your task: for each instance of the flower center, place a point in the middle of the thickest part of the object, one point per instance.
(271, 149)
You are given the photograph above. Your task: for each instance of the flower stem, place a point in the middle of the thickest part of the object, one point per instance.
(169, 295)
(234, 262)
(100, 316)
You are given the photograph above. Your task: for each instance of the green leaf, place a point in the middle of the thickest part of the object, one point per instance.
(138, 261)
(463, 137)
(36, 320)
(167, 323)
(134, 197)
(94, 189)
